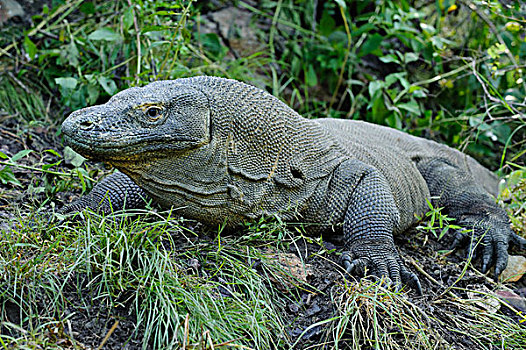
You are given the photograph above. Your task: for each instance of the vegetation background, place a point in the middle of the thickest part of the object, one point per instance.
(452, 71)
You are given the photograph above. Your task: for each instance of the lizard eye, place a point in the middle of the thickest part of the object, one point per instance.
(154, 113)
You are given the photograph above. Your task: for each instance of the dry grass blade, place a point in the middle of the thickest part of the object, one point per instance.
(108, 335)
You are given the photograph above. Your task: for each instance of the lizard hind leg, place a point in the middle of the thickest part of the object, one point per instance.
(464, 199)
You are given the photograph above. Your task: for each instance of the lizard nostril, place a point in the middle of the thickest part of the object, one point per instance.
(86, 124)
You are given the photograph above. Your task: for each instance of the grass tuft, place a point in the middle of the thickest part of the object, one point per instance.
(180, 291)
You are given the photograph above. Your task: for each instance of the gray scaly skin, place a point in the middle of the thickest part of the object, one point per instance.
(224, 152)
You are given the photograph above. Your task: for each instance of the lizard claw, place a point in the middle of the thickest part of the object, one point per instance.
(380, 260)
(490, 240)
(465, 238)
(358, 265)
(410, 278)
(460, 240)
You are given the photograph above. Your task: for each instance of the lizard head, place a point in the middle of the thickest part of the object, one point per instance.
(152, 121)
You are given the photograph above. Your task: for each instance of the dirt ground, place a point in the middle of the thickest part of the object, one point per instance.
(91, 322)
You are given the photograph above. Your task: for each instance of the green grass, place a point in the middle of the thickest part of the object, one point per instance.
(143, 264)
(201, 293)
(370, 317)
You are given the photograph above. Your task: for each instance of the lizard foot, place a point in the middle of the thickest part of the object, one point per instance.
(490, 240)
(381, 260)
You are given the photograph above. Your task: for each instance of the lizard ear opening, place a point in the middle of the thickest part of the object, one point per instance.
(296, 173)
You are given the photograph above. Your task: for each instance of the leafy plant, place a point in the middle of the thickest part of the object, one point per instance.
(437, 223)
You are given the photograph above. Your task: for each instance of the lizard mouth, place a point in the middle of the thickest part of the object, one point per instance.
(128, 148)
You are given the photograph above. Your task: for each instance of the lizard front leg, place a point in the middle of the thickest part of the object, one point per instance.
(113, 193)
(361, 193)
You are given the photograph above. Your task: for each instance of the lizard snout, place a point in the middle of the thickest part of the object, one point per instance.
(80, 121)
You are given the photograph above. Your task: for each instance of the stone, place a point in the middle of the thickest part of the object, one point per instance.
(515, 269)
(513, 299)
(9, 9)
(484, 298)
(293, 271)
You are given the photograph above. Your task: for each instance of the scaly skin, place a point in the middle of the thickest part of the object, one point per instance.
(225, 152)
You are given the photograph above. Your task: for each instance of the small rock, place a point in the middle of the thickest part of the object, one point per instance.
(296, 332)
(484, 298)
(9, 9)
(329, 246)
(294, 308)
(293, 269)
(312, 332)
(306, 298)
(521, 292)
(513, 299)
(313, 310)
(309, 332)
(515, 270)
(235, 26)
(194, 264)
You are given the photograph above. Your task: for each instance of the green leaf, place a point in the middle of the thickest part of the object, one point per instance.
(7, 177)
(158, 43)
(106, 34)
(394, 77)
(30, 48)
(212, 43)
(66, 83)
(21, 154)
(81, 178)
(410, 57)
(432, 219)
(72, 157)
(427, 28)
(341, 3)
(165, 13)
(378, 109)
(419, 93)
(372, 45)
(87, 7)
(363, 29)
(496, 50)
(411, 107)
(108, 85)
(389, 58)
(3, 155)
(310, 76)
(374, 87)
(443, 232)
(127, 18)
(93, 93)
(71, 54)
(53, 152)
(48, 166)
(327, 24)
(338, 38)
(440, 43)
(152, 28)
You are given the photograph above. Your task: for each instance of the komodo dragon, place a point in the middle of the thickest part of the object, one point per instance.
(224, 152)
